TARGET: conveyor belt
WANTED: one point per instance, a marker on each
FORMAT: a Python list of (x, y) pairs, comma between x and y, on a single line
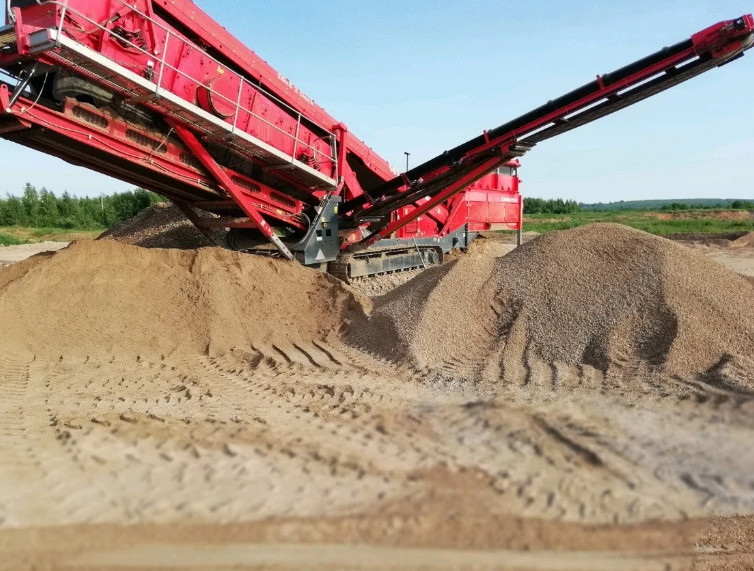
[(609, 93)]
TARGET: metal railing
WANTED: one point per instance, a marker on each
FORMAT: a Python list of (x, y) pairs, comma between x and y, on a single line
[(238, 107), (9, 15)]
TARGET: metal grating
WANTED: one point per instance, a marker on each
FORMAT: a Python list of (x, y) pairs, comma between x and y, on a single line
[(7, 38)]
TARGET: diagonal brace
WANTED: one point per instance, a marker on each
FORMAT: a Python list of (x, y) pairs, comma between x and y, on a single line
[(450, 191), (193, 144)]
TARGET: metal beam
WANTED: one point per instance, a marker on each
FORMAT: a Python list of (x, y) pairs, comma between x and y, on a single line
[(451, 190), (236, 192)]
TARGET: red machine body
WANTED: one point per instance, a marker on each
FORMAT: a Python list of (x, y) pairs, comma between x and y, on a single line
[(156, 93), (186, 53), (491, 203)]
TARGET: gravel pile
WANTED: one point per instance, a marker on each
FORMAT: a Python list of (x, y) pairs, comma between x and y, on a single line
[(376, 286), (486, 246), (439, 308), (162, 225), (602, 295)]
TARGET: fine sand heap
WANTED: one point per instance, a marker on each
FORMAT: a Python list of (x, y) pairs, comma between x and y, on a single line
[(106, 297), (603, 295), (745, 241), (162, 225)]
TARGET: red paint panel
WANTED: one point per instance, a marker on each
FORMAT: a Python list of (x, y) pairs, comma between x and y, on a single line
[(106, 131)]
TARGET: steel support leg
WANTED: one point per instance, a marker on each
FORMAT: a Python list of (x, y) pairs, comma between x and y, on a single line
[(19, 89), (236, 193)]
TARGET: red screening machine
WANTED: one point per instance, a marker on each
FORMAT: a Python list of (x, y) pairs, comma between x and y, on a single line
[(155, 93)]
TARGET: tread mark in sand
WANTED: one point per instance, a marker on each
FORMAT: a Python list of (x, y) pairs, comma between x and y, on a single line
[(308, 356), (327, 352), (583, 452), (282, 353), (21, 446), (14, 379)]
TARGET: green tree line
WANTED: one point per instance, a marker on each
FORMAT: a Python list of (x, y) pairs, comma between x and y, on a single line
[(550, 206), (43, 209), (735, 205), (672, 204)]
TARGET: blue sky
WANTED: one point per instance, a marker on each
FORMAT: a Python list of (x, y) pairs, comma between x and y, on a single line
[(424, 76)]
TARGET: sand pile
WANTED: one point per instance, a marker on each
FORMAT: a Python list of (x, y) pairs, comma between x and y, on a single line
[(106, 297), (745, 241), (602, 295), (162, 225)]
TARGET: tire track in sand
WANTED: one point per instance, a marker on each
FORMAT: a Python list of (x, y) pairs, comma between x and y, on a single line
[(34, 468), (17, 463)]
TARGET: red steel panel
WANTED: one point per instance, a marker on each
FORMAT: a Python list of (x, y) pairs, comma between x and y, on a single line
[(449, 192), (106, 131), (225, 44)]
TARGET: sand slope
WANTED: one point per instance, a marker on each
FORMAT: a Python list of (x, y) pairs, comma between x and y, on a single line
[(110, 298), (745, 241)]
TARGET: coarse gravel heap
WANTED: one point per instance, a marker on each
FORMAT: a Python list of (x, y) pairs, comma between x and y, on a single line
[(602, 295), (162, 225)]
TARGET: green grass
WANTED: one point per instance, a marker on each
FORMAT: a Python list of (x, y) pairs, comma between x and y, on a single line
[(7, 240), (25, 235), (697, 222)]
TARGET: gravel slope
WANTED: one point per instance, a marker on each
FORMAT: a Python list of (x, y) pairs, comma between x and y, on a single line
[(602, 296)]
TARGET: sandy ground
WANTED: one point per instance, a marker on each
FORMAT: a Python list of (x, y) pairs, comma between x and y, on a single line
[(301, 453), (739, 260), (12, 254), (271, 546), (132, 463)]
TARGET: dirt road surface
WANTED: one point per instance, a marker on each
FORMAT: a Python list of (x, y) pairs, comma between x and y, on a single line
[(283, 446), (12, 254), (740, 260)]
